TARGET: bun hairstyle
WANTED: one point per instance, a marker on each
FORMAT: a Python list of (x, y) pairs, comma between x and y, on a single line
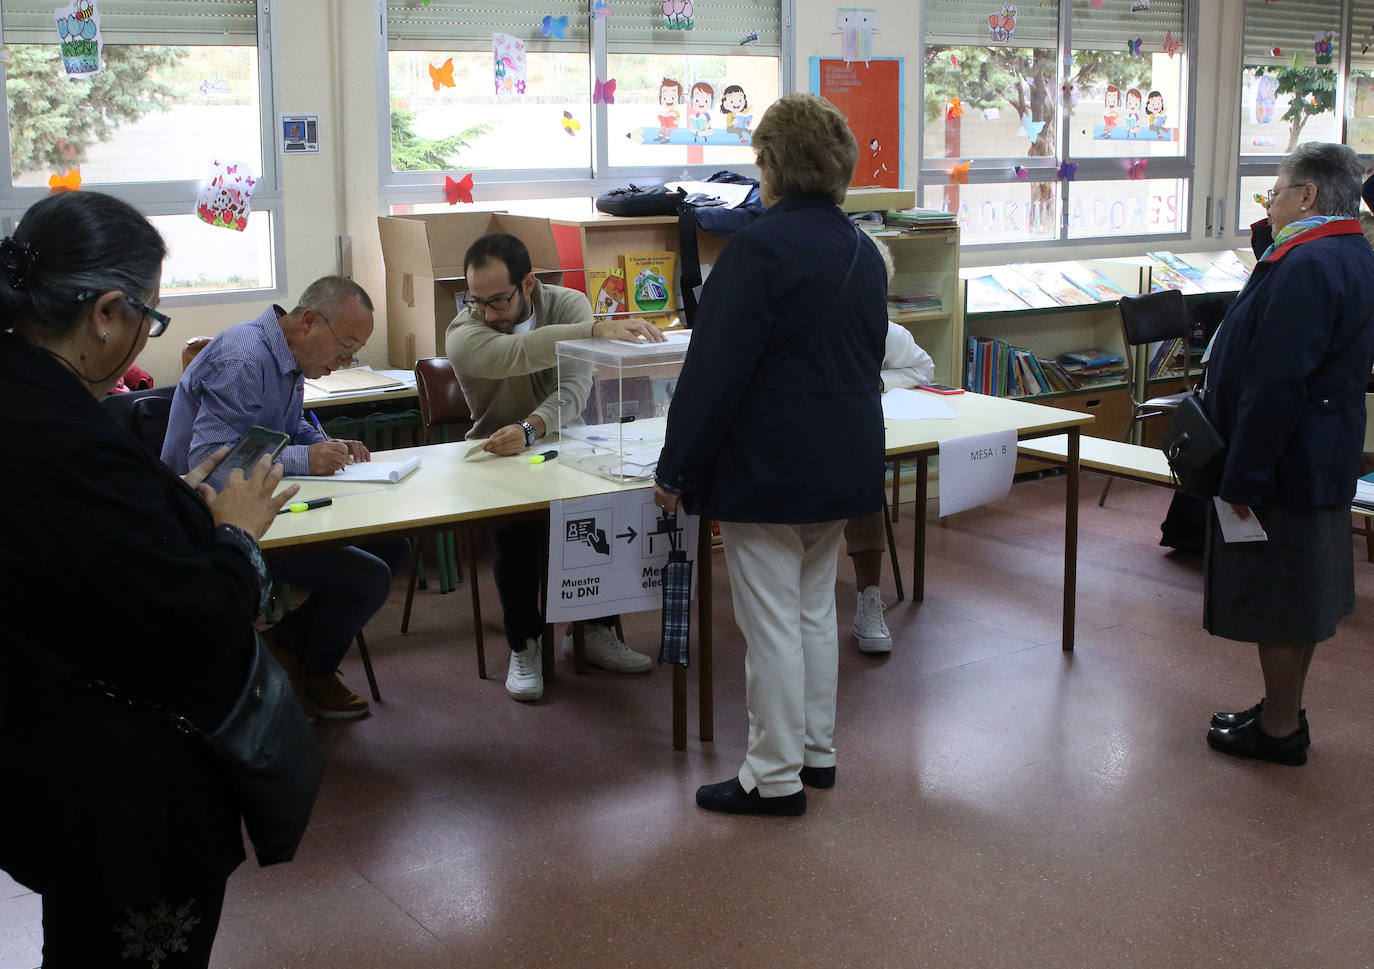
[(71, 243)]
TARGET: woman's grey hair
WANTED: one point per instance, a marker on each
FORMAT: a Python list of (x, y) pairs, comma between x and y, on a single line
[(804, 147), (70, 247), (1334, 169), (326, 294)]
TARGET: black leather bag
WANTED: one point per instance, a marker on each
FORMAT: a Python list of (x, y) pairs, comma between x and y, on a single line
[(640, 200), (1195, 451)]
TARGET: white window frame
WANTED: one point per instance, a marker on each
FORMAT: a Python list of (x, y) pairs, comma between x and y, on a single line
[(178, 197), (422, 188)]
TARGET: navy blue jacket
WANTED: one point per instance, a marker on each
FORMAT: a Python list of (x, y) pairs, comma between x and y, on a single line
[(777, 414), (1287, 375)]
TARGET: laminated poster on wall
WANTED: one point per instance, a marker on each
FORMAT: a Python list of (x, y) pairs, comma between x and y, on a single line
[(856, 29), (225, 199), (870, 97), (509, 54), (679, 14), (78, 34)]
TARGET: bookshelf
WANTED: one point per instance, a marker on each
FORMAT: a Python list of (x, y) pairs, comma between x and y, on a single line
[(927, 261)]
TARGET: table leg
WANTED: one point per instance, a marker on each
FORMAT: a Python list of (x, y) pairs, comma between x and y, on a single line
[(471, 548), (679, 707), (579, 635), (918, 515), (705, 698), (1070, 538)]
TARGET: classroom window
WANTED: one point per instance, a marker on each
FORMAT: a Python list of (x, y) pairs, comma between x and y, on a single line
[(1009, 93), (182, 83)]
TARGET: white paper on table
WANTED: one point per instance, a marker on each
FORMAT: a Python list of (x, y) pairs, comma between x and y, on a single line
[(671, 338), (732, 193), (1236, 529), (975, 470), (915, 405)]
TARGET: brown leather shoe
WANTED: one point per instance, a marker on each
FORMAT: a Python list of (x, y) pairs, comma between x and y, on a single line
[(329, 698)]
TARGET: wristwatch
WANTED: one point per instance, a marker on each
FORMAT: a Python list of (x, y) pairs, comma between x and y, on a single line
[(529, 432)]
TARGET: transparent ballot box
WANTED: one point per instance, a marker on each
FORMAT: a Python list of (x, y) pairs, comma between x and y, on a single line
[(613, 404)]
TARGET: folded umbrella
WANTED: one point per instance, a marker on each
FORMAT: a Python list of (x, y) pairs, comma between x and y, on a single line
[(677, 602)]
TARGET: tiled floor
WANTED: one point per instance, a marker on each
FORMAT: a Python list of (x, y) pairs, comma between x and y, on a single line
[(999, 803)]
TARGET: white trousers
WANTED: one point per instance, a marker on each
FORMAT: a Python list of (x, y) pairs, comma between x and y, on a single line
[(782, 581)]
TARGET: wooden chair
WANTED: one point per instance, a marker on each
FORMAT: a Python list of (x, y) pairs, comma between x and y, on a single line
[(1147, 319)]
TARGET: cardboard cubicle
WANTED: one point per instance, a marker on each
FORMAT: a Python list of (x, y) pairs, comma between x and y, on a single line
[(423, 255)]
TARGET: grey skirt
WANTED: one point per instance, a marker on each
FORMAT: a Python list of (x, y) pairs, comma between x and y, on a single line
[(1293, 588)]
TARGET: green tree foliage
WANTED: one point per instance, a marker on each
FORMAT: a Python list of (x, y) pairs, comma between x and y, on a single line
[(1313, 92), (55, 120), (411, 153)]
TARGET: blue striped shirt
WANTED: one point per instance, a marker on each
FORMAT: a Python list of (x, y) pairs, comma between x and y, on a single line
[(246, 376)]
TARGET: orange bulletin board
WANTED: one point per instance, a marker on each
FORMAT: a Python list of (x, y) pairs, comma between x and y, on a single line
[(870, 96)]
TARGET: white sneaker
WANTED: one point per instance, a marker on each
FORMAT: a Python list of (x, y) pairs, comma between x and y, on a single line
[(525, 678), (605, 650), (869, 626)]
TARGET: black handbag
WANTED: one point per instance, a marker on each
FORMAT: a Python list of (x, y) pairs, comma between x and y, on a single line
[(1195, 451), (640, 200), (264, 746)]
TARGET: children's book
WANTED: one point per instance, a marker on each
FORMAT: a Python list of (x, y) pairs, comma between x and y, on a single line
[(1163, 276), (648, 281), (1092, 282), (1090, 358), (1177, 263), (1055, 284), (987, 295), (606, 290), (1031, 294)]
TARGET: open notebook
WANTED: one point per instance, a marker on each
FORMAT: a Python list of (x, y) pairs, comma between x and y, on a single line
[(353, 381)]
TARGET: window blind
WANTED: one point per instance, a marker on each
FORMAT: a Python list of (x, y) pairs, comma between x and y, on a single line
[(1362, 33), (1114, 26), (179, 22), (964, 23), (1289, 27), (451, 25), (717, 26)]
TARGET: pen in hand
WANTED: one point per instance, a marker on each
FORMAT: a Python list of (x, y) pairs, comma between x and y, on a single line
[(314, 419)]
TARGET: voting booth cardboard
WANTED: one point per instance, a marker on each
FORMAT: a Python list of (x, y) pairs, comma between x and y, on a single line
[(423, 255)]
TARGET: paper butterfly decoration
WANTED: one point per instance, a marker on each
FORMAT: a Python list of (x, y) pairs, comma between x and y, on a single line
[(1260, 200), (954, 61), (225, 198), (459, 191), (1136, 172), (570, 124), (69, 182), (442, 76), (954, 110), (554, 27), (1021, 172), (601, 9), (1030, 129), (1171, 46), (749, 37), (604, 92), (1276, 52), (1133, 46), (1067, 171), (959, 174)]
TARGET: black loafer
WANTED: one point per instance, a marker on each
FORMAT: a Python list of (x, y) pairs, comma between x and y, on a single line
[(730, 797), (1248, 740), (822, 777), (1229, 720)]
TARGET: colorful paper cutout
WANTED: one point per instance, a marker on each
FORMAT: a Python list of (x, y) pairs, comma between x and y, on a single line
[(70, 182), (1170, 45), (954, 60), (856, 29), (954, 109), (1266, 92), (1140, 6), (601, 9), (677, 14), (959, 173), (604, 92), (1097, 4), (734, 104), (225, 198), (1002, 25), (1260, 200), (1322, 42), (992, 114), (78, 35), (1021, 172), (553, 26), (459, 191), (570, 124), (1030, 129), (749, 37), (1136, 171), (1068, 95), (1067, 171), (1134, 46), (1262, 142), (1275, 52), (509, 53), (442, 76)]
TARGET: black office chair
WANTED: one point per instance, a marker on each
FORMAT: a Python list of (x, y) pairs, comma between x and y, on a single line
[(1151, 318), (143, 413)]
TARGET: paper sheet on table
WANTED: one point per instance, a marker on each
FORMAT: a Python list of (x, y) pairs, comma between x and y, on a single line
[(975, 470), (386, 472), (673, 338), (732, 194), (1236, 529), (915, 405)]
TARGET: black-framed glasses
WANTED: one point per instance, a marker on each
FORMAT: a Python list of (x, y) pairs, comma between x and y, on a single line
[(350, 354), (498, 303), (160, 321)]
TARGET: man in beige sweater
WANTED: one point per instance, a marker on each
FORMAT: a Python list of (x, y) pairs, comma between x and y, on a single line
[(502, 349)]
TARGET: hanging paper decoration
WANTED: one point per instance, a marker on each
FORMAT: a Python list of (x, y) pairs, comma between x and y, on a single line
[(225, 198), (856, 29), (1002, 25), (1030, 129), (78, 34), (510, 63), (1262, 142), (604, 92), (1171, 46), (1068, 95), (69, 182), (570, 124), (954, 110), (1322, 42), (554, 26), (1140, 6), (1134, 46), (442, 76), (1260, 200), (1097, 4), (1368, 41), (959, 173), (1275, 52), (992, 114), (1021, 172), (954, 61), (1136, 171), (677, 14), (601, 9), (1266, 93), (1067, 171), (749, 37), (459, 191)]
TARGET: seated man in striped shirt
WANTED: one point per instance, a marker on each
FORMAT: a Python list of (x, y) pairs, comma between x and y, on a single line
[(254, 374)]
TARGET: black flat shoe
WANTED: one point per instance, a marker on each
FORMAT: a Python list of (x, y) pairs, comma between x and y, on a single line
[(822, 777), (1248, 740), (1229, 720), (730, 797)]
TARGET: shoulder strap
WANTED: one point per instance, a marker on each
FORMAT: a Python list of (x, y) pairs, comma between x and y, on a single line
[(689, 260)]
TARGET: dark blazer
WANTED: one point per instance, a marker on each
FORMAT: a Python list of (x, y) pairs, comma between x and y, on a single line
[(1288, 370), (109, 561), (777, 415)]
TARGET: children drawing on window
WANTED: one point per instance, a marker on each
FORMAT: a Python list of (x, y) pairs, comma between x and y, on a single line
[(1111, 114), (1154, 110), (734, 104), (1133, 110), (699, 120), (669, 97)]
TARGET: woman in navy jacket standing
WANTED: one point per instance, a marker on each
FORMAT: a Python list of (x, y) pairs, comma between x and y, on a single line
[(1286, 380), (776, 431)]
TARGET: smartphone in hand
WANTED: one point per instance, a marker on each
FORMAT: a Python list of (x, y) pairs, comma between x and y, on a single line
[(941, 389), (246, 453)]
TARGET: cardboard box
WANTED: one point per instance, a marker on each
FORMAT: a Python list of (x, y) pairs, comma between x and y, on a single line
[(424, 272)]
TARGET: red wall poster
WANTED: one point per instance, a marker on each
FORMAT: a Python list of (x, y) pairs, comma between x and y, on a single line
[(870, 96)]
